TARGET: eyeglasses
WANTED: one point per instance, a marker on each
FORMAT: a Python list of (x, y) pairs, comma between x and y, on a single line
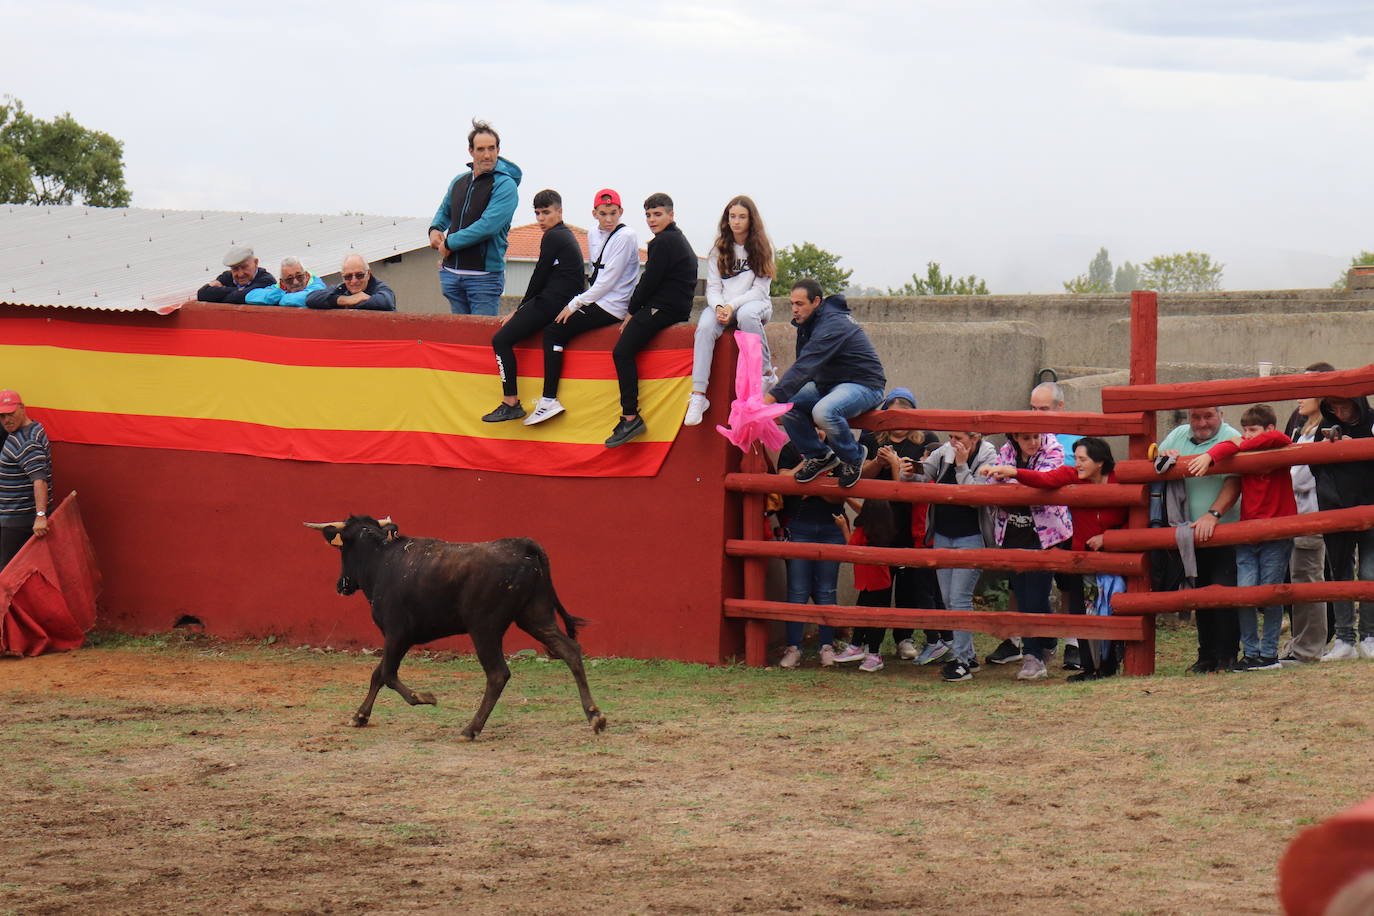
[(294, 278), (361, 275)]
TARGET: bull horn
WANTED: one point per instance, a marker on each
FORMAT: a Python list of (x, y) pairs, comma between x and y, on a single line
[(384, 521), (320, 526)]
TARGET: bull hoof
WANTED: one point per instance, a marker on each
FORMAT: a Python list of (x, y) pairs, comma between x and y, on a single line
[(358, 721), (426, 699), (598, 724), (468, 735)]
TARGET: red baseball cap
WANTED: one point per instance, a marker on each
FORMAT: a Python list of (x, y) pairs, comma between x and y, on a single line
[(606, 196), (10, 401)]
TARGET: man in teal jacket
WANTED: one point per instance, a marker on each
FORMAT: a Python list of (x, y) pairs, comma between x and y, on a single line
[(291, 288), (470, 227)]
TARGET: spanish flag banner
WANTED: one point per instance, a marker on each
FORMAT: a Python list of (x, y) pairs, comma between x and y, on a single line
[(341, 401)]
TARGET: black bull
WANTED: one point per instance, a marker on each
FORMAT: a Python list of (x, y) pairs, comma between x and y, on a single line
[(422, 589)]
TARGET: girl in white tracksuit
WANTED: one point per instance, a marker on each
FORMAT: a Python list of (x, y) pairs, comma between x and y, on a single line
[(739, 272)]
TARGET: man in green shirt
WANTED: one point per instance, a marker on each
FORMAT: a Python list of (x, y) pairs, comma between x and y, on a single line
[(1210, 499)]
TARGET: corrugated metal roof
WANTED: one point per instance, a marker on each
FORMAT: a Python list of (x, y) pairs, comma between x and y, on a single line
[(132, 258)]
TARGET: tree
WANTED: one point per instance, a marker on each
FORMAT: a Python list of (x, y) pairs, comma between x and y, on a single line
[(859, 291), (937, 284), (1364, 257), (57, 161), (1098, 279), (1185, 272), (800, 262), (1127, 278)]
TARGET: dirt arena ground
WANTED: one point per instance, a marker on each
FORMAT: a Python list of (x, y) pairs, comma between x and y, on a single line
[(170, 776)]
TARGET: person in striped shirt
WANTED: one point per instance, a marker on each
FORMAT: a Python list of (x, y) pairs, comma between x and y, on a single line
[(25, 477)]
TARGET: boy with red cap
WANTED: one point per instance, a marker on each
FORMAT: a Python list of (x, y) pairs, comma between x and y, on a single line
[(614, 252), (25, 477)]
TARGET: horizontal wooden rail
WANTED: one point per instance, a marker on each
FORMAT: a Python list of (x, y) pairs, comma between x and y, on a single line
[(997, 623), (1360, 518), (1071, 422), (1071, 561), (974, 494), (1190, 599), (1256, 462), (1347, 383)]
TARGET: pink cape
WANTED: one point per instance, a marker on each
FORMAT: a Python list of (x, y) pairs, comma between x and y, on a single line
[(751, 420)]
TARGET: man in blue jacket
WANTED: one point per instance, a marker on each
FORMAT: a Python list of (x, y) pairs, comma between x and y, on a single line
[(470, 227), (837, 375), (291, 289)]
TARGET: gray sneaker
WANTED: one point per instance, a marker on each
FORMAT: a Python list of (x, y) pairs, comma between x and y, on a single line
[(812, 468), (932, 651), (504, 411), (626, 430)]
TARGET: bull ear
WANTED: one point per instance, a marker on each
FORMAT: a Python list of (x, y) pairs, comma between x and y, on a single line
[(332, 531), (390, 528), (336, 540)]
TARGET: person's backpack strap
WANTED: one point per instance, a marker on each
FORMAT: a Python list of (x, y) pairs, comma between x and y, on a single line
[(597, 265)]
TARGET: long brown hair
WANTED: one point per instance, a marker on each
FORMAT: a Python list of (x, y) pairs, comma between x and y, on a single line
[(756, 244)]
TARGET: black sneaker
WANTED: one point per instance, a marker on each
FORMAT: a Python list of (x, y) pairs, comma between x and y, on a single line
[(848, 474), (1258, 663), (973, 665), (956, 671), (812, 468), (1202, 666), (504, 411), (1007, 652), (1072, 661), (626, 430), (1083, 676)]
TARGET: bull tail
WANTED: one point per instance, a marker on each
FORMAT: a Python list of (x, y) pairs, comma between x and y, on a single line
[(570, 623)]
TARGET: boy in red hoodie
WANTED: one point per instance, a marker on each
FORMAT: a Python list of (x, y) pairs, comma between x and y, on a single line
[(1267, 495)]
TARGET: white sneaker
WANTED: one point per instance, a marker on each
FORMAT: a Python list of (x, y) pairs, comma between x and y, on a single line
[(544, 409), (851, 653), (790, 658), (827, 655), (1367, 647), (696, 409), (907, 649), (1340, 650), (1032, 669)]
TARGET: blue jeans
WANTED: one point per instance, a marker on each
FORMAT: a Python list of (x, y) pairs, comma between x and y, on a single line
[(830, 412), (812, 580), (473, 295), (1261, 564), (1032, 590), (956, 587)]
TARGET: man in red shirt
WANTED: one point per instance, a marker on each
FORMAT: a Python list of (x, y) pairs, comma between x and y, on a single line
[(1268, 495)]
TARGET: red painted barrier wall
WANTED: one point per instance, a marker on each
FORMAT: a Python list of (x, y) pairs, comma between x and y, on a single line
[(219, 537)]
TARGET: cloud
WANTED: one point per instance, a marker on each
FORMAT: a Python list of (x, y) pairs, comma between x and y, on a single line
[(1308, 21)]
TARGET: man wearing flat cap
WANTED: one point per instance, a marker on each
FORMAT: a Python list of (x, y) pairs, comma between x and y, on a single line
[(243, 276), (25, 477)]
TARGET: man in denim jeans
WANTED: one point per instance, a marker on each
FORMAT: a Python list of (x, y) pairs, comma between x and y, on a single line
[(470, 227), (837, 375)]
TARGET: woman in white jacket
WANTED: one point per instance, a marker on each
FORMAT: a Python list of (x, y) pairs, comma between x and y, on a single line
[(739, 273)]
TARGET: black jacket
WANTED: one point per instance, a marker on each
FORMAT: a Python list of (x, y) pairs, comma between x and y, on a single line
[(670, 275), (831, 348), (383, 299), (228, 292), (1351, 483), (558, 274)]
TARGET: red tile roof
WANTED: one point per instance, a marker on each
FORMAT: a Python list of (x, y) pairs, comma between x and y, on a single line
[(522, 244)]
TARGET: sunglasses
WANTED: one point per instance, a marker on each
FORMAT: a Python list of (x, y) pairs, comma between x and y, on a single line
[(362, 275)]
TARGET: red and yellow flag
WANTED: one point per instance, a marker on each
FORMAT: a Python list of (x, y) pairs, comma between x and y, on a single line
[(343, 401)]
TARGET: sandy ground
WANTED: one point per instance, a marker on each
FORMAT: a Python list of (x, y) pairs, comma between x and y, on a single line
[(214, 778)]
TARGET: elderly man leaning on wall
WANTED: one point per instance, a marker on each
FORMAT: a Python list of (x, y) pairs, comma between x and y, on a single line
[(359, 290), (291, 289), (243, 276)]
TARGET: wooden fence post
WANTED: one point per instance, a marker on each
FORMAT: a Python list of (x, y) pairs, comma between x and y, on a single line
[(1140, 656)]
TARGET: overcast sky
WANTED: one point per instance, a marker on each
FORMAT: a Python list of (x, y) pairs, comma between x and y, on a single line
[(1005, 139)]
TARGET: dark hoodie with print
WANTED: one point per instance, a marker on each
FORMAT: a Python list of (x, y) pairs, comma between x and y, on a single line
[(1351, 483)]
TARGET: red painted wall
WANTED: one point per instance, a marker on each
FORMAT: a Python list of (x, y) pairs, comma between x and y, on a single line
[(219, 537)]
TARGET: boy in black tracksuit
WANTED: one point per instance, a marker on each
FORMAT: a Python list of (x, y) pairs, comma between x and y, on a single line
[(557, 278), (662, 297)]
